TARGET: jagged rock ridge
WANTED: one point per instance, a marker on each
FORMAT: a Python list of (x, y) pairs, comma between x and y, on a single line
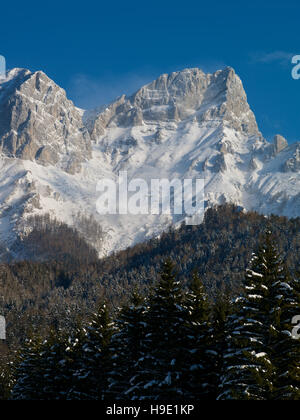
[(179, 96), (38, 122), (186, 124)]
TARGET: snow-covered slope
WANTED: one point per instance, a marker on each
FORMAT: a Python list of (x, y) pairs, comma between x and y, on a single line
[(186, 124)]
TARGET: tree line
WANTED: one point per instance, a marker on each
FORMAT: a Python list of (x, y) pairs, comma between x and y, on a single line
[(61, 278), (175, 343)]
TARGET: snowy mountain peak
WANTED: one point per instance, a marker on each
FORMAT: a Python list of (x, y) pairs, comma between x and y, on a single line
[(179, 96), (186, 124), (39, 123)]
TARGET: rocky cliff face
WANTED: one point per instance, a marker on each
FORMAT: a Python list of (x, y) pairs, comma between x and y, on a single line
[(39, 123), (184, 125), (179, 96), (280, 143), (292, 164)]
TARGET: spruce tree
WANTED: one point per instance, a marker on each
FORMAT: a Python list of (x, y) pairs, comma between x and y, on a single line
[(55, 367), (28, 371), (159, 372), (74, 353), (127, 346), (91, 377), (199, 376), (286, 346), (7, 375), (221, 311), (249, 369)]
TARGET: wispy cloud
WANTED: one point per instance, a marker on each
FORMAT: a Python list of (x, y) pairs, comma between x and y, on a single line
[(88, 92), (282, 58)]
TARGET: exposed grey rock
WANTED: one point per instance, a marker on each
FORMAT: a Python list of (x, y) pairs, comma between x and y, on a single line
[(219, 163), (205, 165), (223, 148), (97, 121), (47, 155), (175, 97), (158, 137), (253, 164), (280, 143), (38, 122), (184, 125), (293, 164)]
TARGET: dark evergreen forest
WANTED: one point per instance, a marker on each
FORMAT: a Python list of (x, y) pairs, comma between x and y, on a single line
[(193, 314)]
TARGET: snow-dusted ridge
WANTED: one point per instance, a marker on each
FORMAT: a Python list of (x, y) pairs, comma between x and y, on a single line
[(186, 124)]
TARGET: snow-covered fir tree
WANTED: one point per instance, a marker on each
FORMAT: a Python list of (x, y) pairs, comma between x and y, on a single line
[(7, 375), (55, 372), (29, 380), (94, 358), (286, 346), (174, 345), (199, 372), (221, 311), (262, 360), (74, 353), (158, 373), (127, 347), (248, 362)]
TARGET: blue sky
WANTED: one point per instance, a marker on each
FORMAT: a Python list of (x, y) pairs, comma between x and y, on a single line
[(98, 50)]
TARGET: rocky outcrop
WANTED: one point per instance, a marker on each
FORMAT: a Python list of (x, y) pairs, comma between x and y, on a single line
[(219, 163), (178, 96), (38, 122), (293, 164), (186, 125), (280, 143)]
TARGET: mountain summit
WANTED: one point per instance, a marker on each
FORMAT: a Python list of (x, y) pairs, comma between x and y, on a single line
[(39, 123), (180, 96), (185, 124)]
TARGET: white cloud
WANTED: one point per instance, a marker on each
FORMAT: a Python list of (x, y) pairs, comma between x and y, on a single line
[(88, 92), (281, 57)]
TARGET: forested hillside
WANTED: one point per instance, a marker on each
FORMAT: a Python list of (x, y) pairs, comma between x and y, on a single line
[(58, 292), (174, 344)]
